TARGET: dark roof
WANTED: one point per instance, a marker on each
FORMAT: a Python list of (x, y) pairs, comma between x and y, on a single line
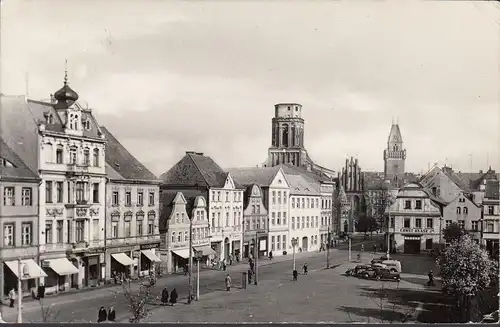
[(262, 176), (19, 170), (195, 169), (166, 205), (395, 132), (123, 162), (310, 176), (492, 190)]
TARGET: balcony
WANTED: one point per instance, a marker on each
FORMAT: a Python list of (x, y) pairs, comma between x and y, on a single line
[(79, 204), (74, 169)]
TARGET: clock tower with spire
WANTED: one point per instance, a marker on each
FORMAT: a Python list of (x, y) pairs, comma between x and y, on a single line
[(394, 155)]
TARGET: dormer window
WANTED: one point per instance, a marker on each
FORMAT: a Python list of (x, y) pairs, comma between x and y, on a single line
[(50, 119), (86, 125), (6, 163)]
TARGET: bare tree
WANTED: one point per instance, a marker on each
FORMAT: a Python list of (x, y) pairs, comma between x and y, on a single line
[(48, 312), (137, 301)]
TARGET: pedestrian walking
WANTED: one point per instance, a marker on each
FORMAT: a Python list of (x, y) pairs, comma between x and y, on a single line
[(173, 297), (12, 297), (224, 266), (164, 296), (249, 274), (228, 282), (295, 275), (362, 247), (270, 255), (102, 315), (374, 248), (304, 268), (251, 265), (111, 314), (231, 259), (185, 269)]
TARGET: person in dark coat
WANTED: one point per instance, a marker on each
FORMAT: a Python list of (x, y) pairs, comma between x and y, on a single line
[(102, 315), (111, 314), (164, 296), (173, 297), (295, 274), (249, 274), (304, 268)]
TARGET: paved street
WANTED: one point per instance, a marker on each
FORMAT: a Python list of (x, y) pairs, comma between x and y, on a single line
[(82, 307)]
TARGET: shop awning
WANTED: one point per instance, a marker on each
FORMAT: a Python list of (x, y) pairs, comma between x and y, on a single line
[(32, 269), (151, 256), (123, 259), (184, 253), (62, 266), (206, 250)]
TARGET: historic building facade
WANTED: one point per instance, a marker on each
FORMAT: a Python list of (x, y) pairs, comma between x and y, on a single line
[(200, 174), (326, 222), (415, 220), (255, 223), (132, 213), (18, 224), (464, 212)]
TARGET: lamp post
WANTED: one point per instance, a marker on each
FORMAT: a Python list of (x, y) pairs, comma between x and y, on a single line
[(190, 267), (256, 256), (199, 255), (295, 241), (22, 272)]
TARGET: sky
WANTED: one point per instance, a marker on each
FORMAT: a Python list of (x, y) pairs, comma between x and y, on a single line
[(167, 77)]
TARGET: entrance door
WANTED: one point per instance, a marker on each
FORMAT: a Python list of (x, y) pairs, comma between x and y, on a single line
[(226, 249), (412, 246), (304, 243)]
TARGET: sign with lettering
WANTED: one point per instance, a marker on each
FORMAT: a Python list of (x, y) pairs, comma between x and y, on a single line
[(150, 246), (200, 242), (417, 230), (180, 245)]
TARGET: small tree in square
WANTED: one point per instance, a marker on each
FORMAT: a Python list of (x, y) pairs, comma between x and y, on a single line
[(465, 271), (137, 301)]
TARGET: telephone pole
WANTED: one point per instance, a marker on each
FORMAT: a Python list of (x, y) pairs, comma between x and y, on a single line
[(190, 267)]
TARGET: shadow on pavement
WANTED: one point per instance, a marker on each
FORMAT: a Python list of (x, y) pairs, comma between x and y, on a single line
[(373, 315)]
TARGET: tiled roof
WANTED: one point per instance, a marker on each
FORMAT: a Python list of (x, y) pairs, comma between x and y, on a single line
[(113, 174), (123, 162), (492, 190), (19, 170), (19, 130), (39, 109), (195, 169), (262, 176), (300, 186)]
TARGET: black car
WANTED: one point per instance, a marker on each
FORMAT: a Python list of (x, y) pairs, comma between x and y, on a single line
[(358, 270), (383, 274), (379, 260)]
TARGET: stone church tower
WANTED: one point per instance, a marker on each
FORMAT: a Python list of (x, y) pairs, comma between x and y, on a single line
[(287, 141), (394, 155)]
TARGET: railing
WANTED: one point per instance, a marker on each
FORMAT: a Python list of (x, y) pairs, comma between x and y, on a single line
[(78, 168)]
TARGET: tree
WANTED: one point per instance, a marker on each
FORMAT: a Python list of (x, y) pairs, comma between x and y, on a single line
[(49, 314), (366, 224), (137, 301), (453, 232), (465, 271)]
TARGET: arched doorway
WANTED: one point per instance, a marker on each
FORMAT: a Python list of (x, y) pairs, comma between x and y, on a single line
[(346, 226), (304, 243), (226, 248)]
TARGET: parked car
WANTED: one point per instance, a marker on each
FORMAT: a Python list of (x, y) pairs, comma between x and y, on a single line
[(393, 265), (358, 270), (382, 273), (490, 318), (379, 260)]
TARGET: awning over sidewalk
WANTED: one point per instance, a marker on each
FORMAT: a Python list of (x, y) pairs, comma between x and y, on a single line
[(62, 266), (32, 268), (184, 253), (123, 259), (151, 256), (206, 250)]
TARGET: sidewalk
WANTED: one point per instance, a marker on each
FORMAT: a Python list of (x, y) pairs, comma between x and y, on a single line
[(30, 304)]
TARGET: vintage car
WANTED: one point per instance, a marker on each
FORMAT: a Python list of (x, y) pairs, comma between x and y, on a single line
[(394, 265), (381, 274), (358, 270)]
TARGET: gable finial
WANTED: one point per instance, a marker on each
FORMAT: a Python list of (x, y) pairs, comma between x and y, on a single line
[(66, 72)]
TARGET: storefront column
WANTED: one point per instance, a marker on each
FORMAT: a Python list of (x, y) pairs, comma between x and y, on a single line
[(2, 282)]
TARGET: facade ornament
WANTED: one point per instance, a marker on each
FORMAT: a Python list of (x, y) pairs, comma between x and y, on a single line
[(54, 212), (80, 212), (94, 211)]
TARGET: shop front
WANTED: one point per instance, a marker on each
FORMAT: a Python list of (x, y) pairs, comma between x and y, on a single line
[(217, 247), (147, 258), (62, 274), (29, 271), (92, 266), (207, 253), (119, 263)]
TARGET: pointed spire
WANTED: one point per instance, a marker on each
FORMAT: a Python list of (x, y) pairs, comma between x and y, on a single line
[(66, 72)]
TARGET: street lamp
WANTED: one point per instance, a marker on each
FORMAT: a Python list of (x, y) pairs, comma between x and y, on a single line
[(190, 292), (22, 273), (295, 242), (199, 255)]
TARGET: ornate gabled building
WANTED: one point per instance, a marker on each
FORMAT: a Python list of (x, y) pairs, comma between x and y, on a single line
[(352, 181), (287, 141)]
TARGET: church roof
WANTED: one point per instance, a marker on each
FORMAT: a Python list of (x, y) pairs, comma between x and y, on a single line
[(395, 134)]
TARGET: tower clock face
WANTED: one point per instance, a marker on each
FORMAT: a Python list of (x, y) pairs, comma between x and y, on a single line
[(395, 138), (396, 166)]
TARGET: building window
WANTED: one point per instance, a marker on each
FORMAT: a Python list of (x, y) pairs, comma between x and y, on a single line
[(491, 210), (9, 198), (151, 225), (308, 203), (461, 200), (48, 232), (60, 231), (279, 202), (418, 223), (490, 228), (128, 199), (447, 223), (317, 222), (173, 237), (114, 229), (285, 196), (115, 198), (86, 157), (140, 198), (272, 243), (459, 210), (235, 196), (95, 192), (461, 224), (59, 192), (68, 231), (303, 222), (59, 154), (293, 222), (227, 196), (95, 230), (428, 244), (26, 196), (273, 218), (284, 218), (48, 192), (80, 227), (308, 222), (127, 229), (284, 242), (72, 155), (95, 158), (8, 235), (475, 226), (227, 219), (407, 223), (274, 197), (218, 196), (278, 242), (151, 199), (407, 204), (278, 221), (418, 204), (465, 210), (293, 203), (393, 222), (303, 203), (80, 192), (430, 223), (317, 203), (186, 236)]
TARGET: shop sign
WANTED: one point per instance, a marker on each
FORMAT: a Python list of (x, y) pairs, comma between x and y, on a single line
[(95, 250), (200, 242), (417, 230), (180, 245), (150, 246)]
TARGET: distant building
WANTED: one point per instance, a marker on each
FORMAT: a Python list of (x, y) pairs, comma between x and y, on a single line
[(132, 213), (415, 220), (352, 181), (394, 155), (274, 189), (18, 223), (466, 213), (200, 175)]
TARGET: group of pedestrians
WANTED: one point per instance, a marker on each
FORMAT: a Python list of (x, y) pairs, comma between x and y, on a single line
[(165, 299), (295, 273), (104, 315)]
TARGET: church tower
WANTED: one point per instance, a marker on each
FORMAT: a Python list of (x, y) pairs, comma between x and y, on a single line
[(287, 140), (394, 155)]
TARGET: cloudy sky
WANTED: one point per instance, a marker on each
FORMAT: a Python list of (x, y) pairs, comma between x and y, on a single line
[(171, 76)]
